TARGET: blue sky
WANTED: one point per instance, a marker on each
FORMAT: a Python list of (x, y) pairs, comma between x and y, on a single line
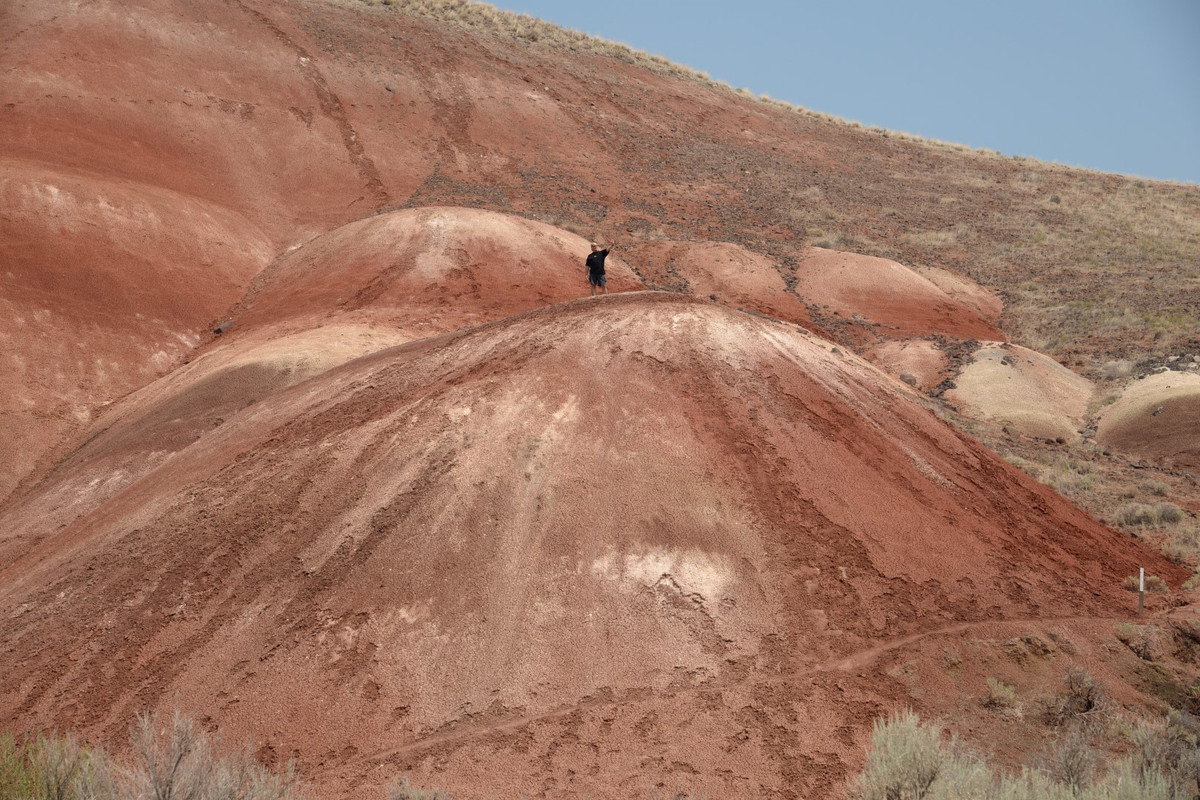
[(1112, 85)]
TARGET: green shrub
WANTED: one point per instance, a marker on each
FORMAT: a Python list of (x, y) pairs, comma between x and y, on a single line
[(1029, 785), (1138, 515), (1171, 748), (172, 760), (909, 761), (176, 760), (905, 759), (1167, 513), (18, 775), (51, 768), (1071, 761)]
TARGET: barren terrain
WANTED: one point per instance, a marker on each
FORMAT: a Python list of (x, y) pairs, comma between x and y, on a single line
[(423, 507)]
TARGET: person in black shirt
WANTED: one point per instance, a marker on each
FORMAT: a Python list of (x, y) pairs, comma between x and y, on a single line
[(595, 267)]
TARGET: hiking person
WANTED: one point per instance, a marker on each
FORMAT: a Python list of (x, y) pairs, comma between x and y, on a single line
[(595, 267)]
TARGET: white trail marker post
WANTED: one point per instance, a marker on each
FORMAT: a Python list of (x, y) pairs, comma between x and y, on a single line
[(1141, 591)]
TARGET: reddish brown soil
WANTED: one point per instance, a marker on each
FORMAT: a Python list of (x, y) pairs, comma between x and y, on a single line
[(919, 361), (887, 299), (425, 271), (423, 508), (722, 272), (201, 141), (605, 544)]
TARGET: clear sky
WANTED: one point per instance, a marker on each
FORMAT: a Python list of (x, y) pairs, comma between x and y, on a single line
[(1112, 85)]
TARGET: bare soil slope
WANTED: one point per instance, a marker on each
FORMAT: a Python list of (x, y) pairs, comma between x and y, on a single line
[(419, 510), (425, 271), (459, 555), (159, 155), (1156, 417)]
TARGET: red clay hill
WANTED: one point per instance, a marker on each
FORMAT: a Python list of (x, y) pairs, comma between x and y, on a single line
[(424, 508), (583, 549), (157, 157)]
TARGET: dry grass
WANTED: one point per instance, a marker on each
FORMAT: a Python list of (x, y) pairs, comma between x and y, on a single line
[(1061, 250), (486, 19), (172, 759), (1107, 487), (1068, 476), (1001, 696), (911, 760)]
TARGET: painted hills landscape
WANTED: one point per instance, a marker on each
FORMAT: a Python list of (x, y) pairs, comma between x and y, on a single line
[(312, 432)]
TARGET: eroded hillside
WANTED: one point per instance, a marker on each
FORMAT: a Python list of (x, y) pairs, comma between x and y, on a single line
[(423, 507)]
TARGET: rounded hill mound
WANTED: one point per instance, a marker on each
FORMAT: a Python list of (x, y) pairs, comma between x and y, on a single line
[(366, 286), (893, 301), (1156, 417), (426, 271), (522, 551), (1013, 385), (723, 272)]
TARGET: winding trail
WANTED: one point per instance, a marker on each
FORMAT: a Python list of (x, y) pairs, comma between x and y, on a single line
[(855, 661)]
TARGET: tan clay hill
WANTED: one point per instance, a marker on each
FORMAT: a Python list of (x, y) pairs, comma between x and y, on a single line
[(1014, 386), (1156, 417), (423, 507)]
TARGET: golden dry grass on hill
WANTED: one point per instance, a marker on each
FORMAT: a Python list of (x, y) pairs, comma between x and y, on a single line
[(1060, 246)]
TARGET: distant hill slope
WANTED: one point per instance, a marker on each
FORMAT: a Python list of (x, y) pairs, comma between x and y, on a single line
[(201, 141), (1057, 241)]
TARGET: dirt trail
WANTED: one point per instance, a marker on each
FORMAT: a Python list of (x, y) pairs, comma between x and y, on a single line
[(853, 662)]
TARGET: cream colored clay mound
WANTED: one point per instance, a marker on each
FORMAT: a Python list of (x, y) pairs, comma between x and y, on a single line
[(921, 359), (1156, 417), (566, 520), (900, 301), (1022, 388), (427, 271), (723, 272), (137, 434)]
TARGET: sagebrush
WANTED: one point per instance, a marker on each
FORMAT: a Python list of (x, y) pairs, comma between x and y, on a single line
[(912, 760)]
